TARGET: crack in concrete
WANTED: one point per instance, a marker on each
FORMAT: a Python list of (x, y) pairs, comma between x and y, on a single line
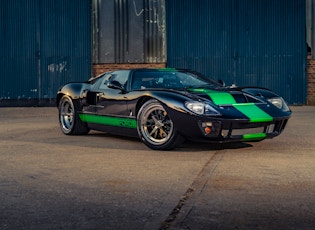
[(195, 189)]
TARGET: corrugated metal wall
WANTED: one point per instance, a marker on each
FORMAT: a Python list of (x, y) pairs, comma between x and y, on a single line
[(44, 44), (310, 26), (65, 43), (259, 42), (18, 46)]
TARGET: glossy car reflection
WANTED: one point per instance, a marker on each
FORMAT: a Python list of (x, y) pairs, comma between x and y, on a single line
[(166, 106)]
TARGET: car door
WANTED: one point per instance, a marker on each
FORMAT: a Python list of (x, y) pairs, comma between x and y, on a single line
[(112, 101)]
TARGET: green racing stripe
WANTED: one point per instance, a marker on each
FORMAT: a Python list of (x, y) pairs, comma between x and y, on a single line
[(253, 112), (218, 98), (222, 98), (109, 120), (250, 110)]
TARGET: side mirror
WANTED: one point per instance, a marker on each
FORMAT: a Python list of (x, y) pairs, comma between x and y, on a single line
[(115, 85), (221, 82)]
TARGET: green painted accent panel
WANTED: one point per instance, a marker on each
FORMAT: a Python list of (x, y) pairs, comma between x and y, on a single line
[(222, 98), (108, 120), (218, 98), (254, 113), (254, 137)]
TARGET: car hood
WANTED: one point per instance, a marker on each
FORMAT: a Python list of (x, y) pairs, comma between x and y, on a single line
[(227, 96), (249, 101)]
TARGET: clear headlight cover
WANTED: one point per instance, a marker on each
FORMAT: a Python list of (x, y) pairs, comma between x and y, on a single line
[(201, 108), (279, 103)]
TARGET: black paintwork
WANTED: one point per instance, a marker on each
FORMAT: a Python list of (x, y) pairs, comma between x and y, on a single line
[(104, 95)]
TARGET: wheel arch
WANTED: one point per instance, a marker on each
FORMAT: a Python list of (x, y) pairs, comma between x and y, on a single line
[(69, 119), (73, 90), (58, 98), (140, 102), (169, 100)]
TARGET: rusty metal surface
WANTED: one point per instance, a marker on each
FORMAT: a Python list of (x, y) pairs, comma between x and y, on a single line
[(128, 31)]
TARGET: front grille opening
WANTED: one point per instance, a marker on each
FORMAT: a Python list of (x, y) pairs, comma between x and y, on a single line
[(249, 129), (280, 125)]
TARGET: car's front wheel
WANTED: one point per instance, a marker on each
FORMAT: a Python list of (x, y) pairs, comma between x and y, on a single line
[(155, 127), (70, 122)]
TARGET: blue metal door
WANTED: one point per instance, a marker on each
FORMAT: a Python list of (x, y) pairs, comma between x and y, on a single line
[(43, 44), (65, 44), (18, 50), (242, 42), (271, 46)]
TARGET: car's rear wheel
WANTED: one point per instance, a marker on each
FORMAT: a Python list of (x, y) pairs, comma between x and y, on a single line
[(70, 122), (155, 127)]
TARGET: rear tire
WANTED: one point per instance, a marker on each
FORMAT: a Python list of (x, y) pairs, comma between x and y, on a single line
[(69, 120), (155, 128)]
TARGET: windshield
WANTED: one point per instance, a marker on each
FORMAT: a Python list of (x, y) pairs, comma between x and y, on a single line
[(169, 79)]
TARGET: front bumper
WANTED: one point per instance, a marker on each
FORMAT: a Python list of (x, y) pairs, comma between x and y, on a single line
[(240, 130), (215, 129)]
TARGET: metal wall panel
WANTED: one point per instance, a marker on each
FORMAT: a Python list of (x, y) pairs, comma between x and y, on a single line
[(128, 31), (18, 46), (310, 26), (259, 42), (43, 44), (199, 36), (272, 46), (65, 43)]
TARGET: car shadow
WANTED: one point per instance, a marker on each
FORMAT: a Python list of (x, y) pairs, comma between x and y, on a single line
[(202, 146), (187, 146)]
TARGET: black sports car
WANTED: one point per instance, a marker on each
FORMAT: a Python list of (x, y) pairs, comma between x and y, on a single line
[(166, 106)]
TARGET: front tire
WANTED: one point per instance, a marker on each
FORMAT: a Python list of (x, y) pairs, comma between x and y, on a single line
[(155, 127), (69, 120)]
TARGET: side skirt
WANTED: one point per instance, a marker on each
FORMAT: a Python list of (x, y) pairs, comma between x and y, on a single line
[(120, 131), (125, 126)]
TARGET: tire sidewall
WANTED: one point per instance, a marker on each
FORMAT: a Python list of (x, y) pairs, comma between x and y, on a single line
[(170, 143), (67, 99)]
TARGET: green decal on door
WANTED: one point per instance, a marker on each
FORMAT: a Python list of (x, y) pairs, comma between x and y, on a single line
[(108, 120)]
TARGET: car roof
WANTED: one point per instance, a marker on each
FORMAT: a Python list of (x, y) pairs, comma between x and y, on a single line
[(137, 69)]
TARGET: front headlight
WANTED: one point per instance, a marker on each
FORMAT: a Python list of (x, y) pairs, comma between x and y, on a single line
[(195, 107), (279, 103), (201, 108)]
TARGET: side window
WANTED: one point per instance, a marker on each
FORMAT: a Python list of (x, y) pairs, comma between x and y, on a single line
[(105, 80), (121, 76), (147, 79)]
